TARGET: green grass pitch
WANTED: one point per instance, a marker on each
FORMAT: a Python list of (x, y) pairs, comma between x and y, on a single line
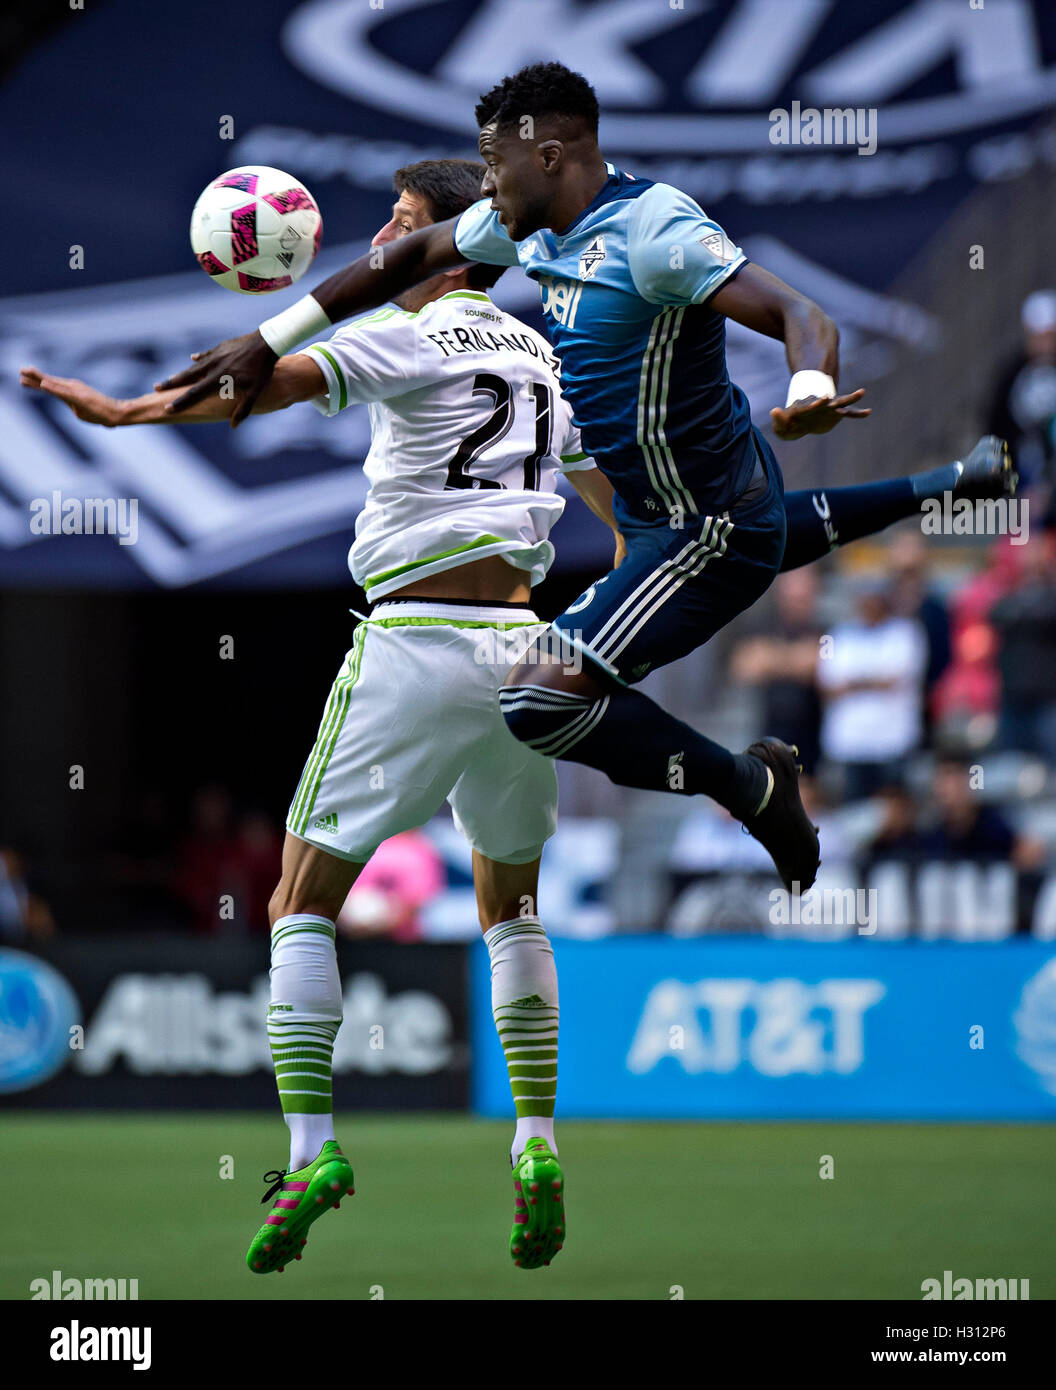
[(726, 1211)]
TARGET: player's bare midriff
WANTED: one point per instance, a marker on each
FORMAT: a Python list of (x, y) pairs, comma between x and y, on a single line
[(491, 580)]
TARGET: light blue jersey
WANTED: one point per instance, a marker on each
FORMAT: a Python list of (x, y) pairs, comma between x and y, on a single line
[(643, 358)]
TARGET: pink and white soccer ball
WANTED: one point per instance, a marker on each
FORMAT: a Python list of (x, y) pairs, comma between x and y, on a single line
[(255, 229)]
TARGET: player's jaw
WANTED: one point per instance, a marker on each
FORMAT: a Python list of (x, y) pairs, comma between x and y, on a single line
[(517, 183)]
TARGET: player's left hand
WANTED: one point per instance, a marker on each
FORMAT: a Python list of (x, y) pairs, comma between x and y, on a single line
[(85, 401), (621, 551), (244, 363), (815, 415)]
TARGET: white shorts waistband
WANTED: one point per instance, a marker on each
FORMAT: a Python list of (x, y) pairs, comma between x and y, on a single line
[(454, 612)]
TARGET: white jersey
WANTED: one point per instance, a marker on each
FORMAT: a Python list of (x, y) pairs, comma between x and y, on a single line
[(469, 431)]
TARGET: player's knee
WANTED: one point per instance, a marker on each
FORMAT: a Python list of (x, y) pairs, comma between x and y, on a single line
[(290, 899), (508, 888), (543, 718), (496, 911), (550, 661), (498, 904), (547, 672), (521, 674), (277, 903)]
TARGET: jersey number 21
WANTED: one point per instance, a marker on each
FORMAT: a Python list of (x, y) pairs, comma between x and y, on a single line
[(496, 426)]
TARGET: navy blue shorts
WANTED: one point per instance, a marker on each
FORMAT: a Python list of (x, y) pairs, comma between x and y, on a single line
[(679, 583)]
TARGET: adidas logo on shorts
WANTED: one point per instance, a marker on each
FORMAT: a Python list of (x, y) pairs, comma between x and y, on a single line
[(327, 823)]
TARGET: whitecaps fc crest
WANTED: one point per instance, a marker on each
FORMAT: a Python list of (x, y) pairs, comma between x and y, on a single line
[(591, 258)]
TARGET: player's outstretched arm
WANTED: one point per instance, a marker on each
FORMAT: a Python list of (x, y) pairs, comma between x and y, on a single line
[(764, 303), (296, 378), (247, 362)]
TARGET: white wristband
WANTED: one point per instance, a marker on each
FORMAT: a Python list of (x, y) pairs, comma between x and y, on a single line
[(305, 319), (809, 383)]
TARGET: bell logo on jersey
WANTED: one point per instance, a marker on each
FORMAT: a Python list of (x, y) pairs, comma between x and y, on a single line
[(591, 258), (561, 299)]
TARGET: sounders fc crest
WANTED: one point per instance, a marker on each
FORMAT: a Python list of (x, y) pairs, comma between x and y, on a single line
[(591, 258)]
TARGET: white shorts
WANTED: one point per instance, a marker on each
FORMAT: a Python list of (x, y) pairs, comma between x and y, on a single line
[(413, 720)]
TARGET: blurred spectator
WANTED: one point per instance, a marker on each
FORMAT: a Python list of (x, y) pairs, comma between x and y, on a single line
[(969, 829), (253, 869), (909, 561), (975, 598), (141, 867), (23, 914), (896, 835), (1025, 620), (403, 875), (1024, 404), (208, 846), (965, 700), (837, 846), (783, 662), (220, 859), (871, 676)]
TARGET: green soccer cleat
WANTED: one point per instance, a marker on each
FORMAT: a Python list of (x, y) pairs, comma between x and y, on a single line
[(303, 1197), (539, 1209)]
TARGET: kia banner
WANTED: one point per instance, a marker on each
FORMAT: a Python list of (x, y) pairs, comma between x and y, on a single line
[(832, 141)]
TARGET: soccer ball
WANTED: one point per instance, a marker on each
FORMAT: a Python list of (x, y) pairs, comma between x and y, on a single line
[(255, 230)]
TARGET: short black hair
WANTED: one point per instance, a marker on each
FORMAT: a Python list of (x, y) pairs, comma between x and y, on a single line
[(540, 90), (449, 186)]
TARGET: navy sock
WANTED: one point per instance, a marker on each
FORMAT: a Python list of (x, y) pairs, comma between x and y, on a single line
[(635, 743), (935, 481), (822, 519)]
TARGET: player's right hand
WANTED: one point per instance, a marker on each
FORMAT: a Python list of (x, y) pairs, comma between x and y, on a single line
[(816, 415), (240, 368), (85, 401)]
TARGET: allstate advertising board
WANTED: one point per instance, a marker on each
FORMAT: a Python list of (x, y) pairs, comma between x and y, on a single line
[(734, 1028)]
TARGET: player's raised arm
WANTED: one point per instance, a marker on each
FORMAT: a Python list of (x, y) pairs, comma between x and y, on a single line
[(764, 303), (376, 277), (677, 255), (295, 378)]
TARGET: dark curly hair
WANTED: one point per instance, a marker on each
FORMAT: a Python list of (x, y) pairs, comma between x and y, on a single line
[(449, 186), (542, 90)]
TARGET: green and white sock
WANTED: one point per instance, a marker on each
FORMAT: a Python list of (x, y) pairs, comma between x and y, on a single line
[(303, 1018), (524, 1005)]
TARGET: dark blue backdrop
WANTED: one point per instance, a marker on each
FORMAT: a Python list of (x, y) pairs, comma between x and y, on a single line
[(113, 127)]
